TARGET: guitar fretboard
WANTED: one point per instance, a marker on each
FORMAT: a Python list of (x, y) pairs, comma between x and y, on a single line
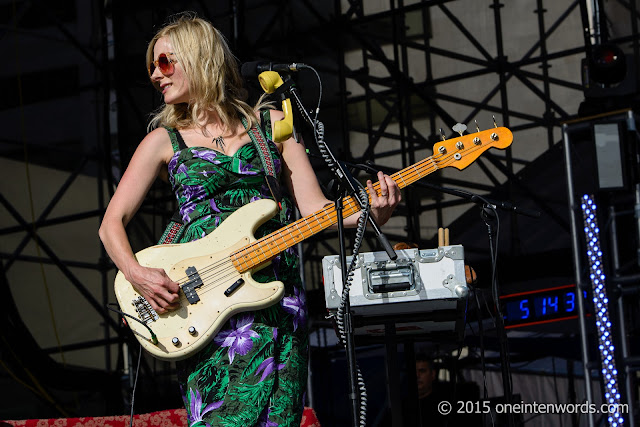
[(269, 246), (459, 152)]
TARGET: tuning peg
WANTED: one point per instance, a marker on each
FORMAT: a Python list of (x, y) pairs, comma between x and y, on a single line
[(477, 127), (460, 128), (442, 135), (494, 122)]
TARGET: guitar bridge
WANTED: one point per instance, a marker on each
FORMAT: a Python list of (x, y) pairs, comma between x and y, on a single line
[(189, 288), (145, 312)]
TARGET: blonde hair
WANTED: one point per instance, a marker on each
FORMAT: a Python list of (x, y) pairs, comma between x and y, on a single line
[(212, 72)]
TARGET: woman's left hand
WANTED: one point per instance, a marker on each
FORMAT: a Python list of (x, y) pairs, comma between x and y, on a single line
[(383, 204)]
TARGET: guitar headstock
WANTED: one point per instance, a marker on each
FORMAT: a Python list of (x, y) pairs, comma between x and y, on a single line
[(461, 151)]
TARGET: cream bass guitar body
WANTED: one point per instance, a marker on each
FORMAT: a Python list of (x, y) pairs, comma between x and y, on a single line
[(214, 272)]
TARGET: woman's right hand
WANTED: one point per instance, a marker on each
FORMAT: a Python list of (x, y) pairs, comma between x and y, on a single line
[(156, 287)]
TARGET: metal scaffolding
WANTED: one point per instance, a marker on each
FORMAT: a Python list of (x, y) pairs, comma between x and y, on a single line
[(393, 74)]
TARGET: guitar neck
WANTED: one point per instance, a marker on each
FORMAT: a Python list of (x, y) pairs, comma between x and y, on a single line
[(271, 245), (458, 152)]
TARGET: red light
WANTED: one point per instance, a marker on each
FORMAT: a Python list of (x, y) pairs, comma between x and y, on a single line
[(607, 64), (607, 57)]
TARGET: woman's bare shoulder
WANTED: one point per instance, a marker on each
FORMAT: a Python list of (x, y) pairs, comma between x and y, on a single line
[(156, 145)]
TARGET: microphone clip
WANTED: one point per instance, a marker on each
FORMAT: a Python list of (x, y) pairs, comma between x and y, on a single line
[(281, 91)]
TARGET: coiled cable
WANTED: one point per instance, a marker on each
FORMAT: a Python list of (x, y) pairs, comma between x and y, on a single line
[(362, 195)]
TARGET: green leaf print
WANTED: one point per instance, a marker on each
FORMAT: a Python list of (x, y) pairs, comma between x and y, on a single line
[(252, 394), (240, 196), (286, 349), (238, 420), (266, 350), (269, 379)]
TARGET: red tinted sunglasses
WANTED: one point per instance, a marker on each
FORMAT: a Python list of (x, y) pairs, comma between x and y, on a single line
[(164, 63)]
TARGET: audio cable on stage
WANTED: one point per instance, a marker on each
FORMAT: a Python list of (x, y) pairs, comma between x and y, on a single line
[(154, 339), (342, 336), (363, 197)]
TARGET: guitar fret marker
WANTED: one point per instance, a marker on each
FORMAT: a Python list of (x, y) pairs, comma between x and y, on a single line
[(292, 236)]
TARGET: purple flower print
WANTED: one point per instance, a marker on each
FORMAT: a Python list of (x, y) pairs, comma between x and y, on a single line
[(277, 165), (182, 169), (238, 338), (245, 169), (196, 411), (254, 198), (185, 210), (194, 192), (172, 165), (296, 305), (213, 205), (209, 156), (263, 421), (174, 160), (268, 366)]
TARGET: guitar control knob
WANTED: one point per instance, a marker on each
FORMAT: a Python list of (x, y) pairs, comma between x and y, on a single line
[(192, 330), (175, 341)]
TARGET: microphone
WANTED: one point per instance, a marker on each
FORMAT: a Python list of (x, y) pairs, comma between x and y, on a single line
[(253, 69), (282, 129)]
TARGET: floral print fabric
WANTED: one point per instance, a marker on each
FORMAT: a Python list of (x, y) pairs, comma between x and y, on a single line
[(254, 372)]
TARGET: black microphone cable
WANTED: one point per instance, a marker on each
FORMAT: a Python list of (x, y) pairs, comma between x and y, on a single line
[(154, 339)]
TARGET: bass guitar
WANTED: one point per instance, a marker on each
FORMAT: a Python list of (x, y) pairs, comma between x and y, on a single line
[(214, 272)]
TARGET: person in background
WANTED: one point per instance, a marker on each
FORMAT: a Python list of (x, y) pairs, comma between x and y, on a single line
[(432, 392), (253, 373)]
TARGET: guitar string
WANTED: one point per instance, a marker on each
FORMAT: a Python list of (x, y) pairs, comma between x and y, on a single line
[(230, 268), (410, 175), (206, 273), (227, 263), (327, 220), (262, 242), (413, 171)]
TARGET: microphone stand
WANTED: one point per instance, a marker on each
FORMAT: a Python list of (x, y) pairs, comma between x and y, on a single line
[(344, 177), (490, 218), (347, 186), (348, 324)]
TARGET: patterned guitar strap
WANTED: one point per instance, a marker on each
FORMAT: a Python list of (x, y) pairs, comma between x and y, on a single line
[(260, 141), (175, 228)]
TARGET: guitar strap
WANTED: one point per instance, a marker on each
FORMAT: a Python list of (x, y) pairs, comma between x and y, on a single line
[(175, 229), (259, 140)]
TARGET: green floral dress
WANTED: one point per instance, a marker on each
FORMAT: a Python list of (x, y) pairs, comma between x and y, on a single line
[(254, 372)]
